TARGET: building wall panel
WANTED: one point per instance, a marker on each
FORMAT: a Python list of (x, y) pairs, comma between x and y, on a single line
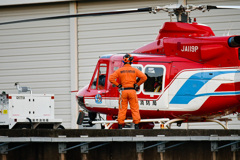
[(37, 54)]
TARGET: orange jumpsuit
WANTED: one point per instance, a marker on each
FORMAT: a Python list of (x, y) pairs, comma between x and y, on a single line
[(127, 76)]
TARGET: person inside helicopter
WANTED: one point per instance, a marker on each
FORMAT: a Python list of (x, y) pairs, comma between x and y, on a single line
[(158, 84), (154, 79), (101, 82), (100, 77)]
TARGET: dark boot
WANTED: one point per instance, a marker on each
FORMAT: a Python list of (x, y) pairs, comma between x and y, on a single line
[(119, 126), (136, 126)]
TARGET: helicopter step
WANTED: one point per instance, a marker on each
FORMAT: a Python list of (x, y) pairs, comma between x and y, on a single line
[(85, 120)]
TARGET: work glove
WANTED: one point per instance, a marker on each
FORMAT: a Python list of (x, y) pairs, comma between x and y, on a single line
[(136, 87), (119, 86)]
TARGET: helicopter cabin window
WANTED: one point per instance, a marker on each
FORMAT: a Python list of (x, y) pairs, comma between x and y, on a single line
[(100, 77), (154, 82)]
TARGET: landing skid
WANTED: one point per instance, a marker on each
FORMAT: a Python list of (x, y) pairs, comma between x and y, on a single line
[(218, 121), (165, 122)]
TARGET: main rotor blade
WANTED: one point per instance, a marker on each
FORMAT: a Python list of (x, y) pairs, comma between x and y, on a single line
[(222, 7), (123, 11)]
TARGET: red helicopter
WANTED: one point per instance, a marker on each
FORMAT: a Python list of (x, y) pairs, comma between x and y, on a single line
[(193, 75)]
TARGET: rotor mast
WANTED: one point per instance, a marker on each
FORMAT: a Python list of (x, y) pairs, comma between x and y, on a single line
[(181, 10), (182, 13)]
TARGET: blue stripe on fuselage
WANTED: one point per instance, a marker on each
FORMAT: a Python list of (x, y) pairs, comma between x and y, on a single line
[(189, 89)]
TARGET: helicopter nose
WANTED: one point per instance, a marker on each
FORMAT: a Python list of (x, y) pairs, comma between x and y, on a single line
[(80, 100)]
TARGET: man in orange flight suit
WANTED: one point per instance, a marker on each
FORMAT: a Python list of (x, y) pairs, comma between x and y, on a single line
[(127, 76)]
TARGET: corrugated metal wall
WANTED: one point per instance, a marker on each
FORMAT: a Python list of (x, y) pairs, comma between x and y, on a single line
[(36, 54)]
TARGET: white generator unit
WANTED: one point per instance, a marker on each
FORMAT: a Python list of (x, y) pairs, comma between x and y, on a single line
[(24, 110)]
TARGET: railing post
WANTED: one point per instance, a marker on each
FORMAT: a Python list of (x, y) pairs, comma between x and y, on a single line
[(214, 149), (139, 148), (62, 150), (3, 151), (161, 150), (84, 151)]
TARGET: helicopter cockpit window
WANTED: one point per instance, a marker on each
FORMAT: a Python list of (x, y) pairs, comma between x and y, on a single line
[(100, 77), (155, 79)]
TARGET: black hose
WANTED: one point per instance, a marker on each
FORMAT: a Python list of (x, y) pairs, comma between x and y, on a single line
[(30, 122)]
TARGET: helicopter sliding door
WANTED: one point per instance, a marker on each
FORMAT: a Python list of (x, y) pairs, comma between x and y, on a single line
[(154, 87), (151, 91)]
